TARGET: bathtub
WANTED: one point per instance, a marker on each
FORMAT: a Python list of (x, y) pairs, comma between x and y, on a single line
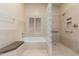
[(35, 39)]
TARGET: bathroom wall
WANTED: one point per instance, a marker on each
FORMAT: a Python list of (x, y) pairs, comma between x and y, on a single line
[(56, 22), (70, 35), (11, 23), (36, 10)]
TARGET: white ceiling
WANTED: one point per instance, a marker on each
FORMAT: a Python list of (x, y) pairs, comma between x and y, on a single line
[(54, 4), (57, 4)]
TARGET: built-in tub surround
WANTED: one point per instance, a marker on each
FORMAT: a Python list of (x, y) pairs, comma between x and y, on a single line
[(34, 39)]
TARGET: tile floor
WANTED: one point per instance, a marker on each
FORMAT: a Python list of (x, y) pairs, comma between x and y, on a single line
[(61, 50), (41, 49), (35, 49)]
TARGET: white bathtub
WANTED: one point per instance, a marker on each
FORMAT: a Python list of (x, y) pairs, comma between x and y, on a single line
[(35, 39)]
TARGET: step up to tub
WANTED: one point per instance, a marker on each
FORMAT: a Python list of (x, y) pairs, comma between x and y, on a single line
[(11, 47)]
